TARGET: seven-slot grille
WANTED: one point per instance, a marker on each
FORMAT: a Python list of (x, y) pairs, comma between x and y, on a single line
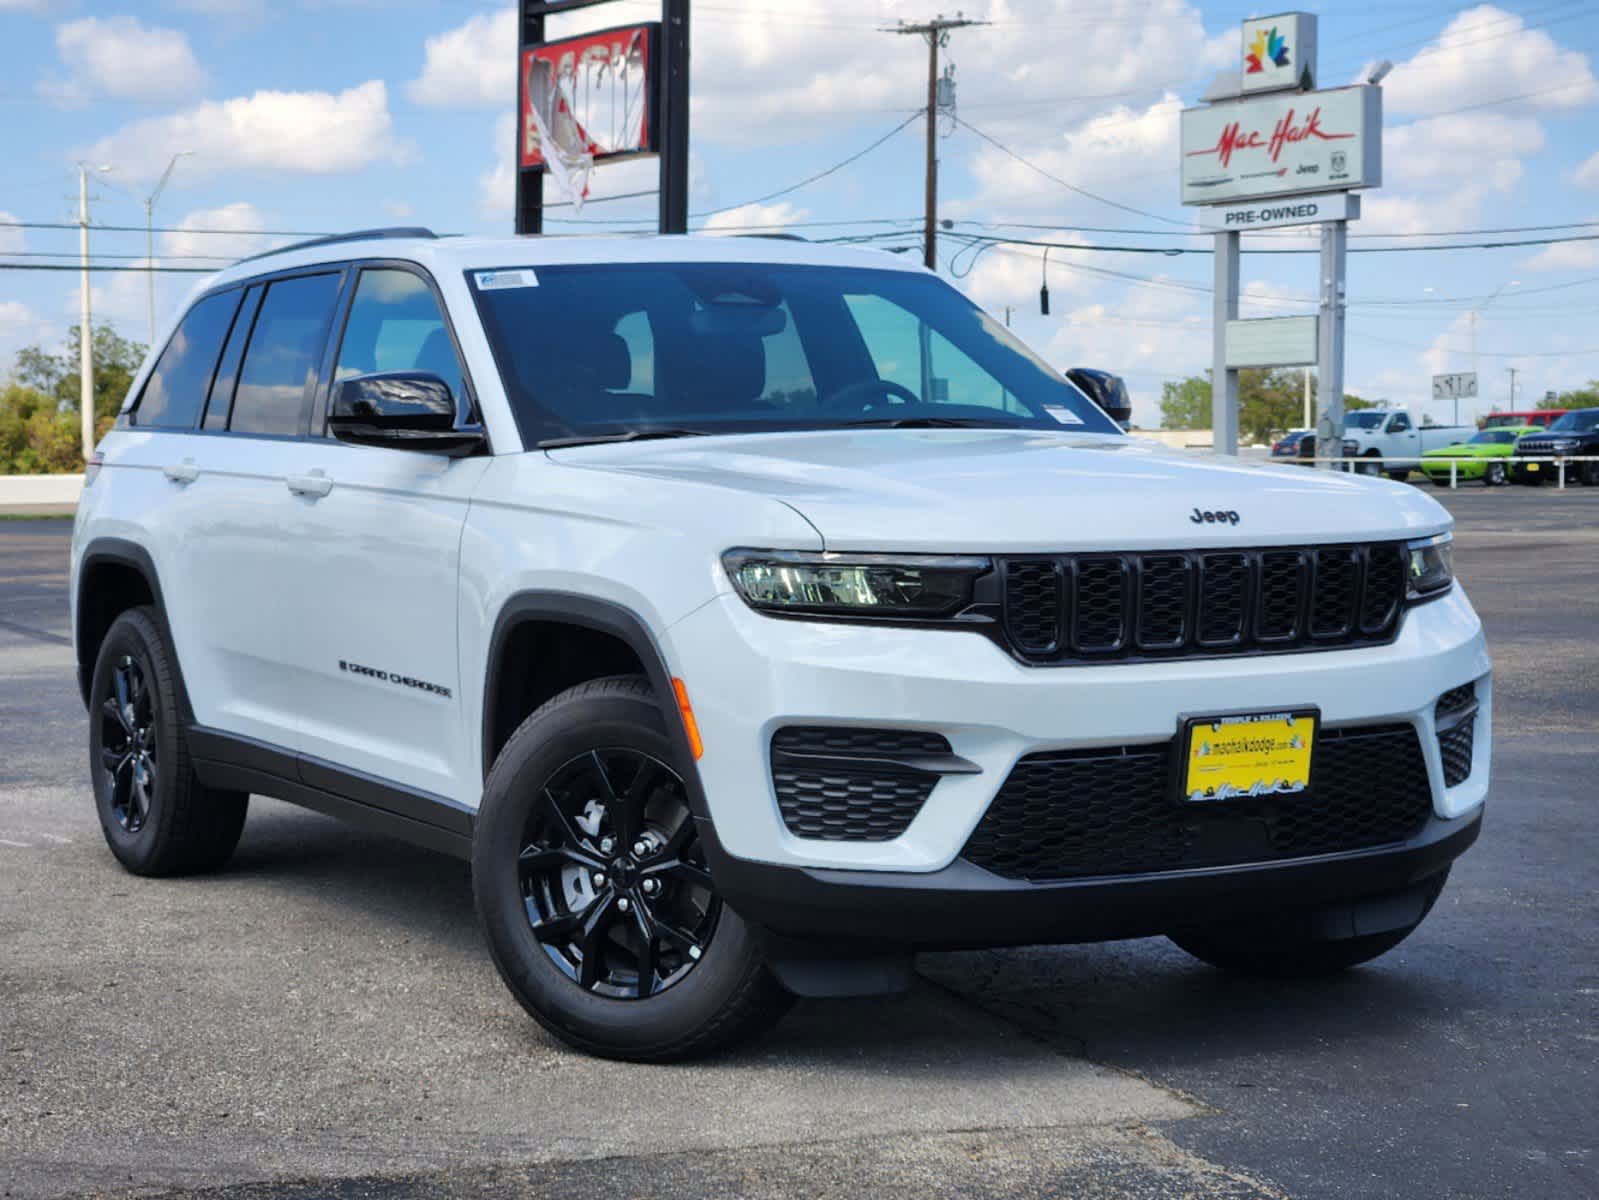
[(1088, 607)]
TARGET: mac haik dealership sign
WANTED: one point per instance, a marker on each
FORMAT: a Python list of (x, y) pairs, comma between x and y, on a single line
[(1281, 145)]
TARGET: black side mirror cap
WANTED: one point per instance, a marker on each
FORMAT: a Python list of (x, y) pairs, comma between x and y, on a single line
[(402, 410), (1106, 390)]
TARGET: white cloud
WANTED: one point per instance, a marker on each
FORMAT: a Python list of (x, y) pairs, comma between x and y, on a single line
[(24, 5), (1100, 155), (242, 217), (1565, 256), (470, 66), (1587, 175), (11, 236), (1011, 276), (123, 59), (310, 132), (764, 217), (1439, 172), (496, 187), (398, 210), (1488, 55)]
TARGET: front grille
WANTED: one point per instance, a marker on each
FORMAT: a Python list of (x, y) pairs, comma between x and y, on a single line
[(1082, 813), (1102, 607), (840, 784)]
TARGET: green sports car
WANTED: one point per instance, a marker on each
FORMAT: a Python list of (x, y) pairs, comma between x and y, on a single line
[(1484, 456)]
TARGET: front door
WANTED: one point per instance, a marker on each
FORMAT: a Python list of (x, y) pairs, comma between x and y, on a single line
[(376, 537)]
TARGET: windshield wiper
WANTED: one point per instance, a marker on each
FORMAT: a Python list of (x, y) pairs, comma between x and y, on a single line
[(627, 435), (934, 423)]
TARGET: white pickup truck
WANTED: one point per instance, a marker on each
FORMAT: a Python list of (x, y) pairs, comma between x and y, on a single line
[(1394, 441)]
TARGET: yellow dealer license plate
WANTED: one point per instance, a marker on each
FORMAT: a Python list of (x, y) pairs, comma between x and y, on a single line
[(1256, 754), (1533, 466)]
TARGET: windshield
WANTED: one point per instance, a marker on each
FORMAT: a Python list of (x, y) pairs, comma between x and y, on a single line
[(1577, 422), (1364, 420), (620, 349), (1494, 437)]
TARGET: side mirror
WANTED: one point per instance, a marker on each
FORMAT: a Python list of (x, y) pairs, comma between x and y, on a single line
[(403, 410), (1106, 390)]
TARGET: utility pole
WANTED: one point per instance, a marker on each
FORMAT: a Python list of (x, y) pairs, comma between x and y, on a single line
[(936, 32), (85, 329), (1512, 371)]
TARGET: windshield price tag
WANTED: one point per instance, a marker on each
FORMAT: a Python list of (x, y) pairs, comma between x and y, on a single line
[(493, 281), (1064, 415)]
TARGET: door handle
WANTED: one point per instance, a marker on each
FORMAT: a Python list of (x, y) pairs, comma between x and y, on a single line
[(314, 484), (183, 472)]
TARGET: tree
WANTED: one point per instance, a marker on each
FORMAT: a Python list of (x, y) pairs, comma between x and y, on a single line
[(116, 362), (39, 426), (1185, 404), (1269, 401), (1583, 397)]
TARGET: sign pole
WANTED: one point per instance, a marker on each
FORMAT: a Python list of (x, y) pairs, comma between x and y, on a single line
[(529, 184), (1224, 379), (1330, 427), (674, 117)]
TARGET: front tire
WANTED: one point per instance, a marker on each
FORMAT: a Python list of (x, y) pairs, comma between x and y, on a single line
[(158, 818), (1367, 467), (1277, 951), (593, 891)]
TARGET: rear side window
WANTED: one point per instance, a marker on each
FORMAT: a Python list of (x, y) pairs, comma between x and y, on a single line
[(176, 389), (280, 364)]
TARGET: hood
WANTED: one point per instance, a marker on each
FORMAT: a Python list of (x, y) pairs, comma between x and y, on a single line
[(993, 490)]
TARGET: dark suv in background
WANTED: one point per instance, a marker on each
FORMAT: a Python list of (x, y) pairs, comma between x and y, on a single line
[(1574, 435)]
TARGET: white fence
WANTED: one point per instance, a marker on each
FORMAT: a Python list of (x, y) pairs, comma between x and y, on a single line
[(1378, 464), (43, 492)]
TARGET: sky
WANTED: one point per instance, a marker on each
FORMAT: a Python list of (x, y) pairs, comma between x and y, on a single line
[(306, 116)]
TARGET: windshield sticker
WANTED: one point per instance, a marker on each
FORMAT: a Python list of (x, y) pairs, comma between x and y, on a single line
[(490, 281), (1064, 415)]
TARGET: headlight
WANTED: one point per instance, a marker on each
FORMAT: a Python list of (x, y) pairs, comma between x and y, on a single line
[(1432, 567), (885, 586)]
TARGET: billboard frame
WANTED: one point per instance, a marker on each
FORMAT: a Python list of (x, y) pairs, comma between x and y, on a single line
[(668, 97)]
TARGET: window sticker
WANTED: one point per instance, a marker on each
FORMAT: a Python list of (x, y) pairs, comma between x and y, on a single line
[(491, 281), (1064, 415)]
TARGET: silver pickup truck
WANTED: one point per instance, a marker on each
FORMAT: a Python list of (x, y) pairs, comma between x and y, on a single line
[(1394, 441)]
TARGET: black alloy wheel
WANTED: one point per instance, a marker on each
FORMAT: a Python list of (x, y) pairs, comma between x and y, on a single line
[(128, 740), (157, 817), (613, 877)]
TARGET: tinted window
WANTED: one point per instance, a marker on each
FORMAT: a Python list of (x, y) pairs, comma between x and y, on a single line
[(280, 364), (176, 390), (1580, 421), (604, 349), (1363, 420), (395, 325), (1399, 424), (221, 401)]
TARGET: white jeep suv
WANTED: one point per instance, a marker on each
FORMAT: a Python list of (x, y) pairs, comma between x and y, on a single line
[(753, 615)]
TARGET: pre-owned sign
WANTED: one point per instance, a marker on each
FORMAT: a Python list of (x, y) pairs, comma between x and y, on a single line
[(1282, 145), (1270, 214)]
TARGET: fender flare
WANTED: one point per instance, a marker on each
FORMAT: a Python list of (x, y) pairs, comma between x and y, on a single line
[(128, 554), (602, 616)]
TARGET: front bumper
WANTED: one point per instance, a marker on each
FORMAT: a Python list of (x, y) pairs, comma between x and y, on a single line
[(749, 675), (963, 906)]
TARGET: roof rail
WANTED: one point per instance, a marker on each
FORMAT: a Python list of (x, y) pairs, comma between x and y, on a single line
[(359, 235), (777, 237)]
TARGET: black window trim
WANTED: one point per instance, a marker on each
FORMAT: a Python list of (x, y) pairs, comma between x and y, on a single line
[(472, 417), (340, 268)]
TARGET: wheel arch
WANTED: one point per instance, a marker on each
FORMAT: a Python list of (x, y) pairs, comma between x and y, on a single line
[(114, 575), (587, 616)]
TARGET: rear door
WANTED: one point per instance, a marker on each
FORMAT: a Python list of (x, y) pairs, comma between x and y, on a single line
[(239, 599), (373, 541)]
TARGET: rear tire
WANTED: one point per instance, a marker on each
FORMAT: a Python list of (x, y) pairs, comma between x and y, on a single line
[(584, 844), (158, 818), (1275, 952), (1493, 475)]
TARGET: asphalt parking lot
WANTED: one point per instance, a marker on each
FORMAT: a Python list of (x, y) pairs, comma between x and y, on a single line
[(321, 1020)]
